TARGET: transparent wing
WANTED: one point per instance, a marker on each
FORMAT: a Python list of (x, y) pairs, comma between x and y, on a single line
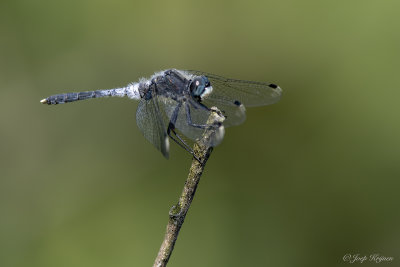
[(191, 119), (234, 112), (248, 93), (150, 123)]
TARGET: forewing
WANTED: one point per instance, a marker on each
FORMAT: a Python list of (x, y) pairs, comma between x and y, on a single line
[(249, 93), (150, 123)]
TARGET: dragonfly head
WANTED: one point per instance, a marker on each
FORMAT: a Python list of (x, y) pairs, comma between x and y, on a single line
[(200, 87)]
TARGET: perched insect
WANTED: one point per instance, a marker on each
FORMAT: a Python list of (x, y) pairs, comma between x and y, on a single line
[(176, 102)]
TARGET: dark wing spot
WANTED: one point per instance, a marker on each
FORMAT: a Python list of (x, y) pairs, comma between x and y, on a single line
[(273, 85), (237, 103)]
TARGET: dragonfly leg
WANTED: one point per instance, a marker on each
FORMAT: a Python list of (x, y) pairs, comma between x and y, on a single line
[(179, 141), (198, 105), (201, 126)]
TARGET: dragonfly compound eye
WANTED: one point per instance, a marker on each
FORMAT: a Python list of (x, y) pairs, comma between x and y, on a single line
[(197, 87), (200, 87)]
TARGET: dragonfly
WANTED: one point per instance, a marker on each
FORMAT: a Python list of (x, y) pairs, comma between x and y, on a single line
[(176, 104)]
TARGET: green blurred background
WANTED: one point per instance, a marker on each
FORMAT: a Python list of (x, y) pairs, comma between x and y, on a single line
[(301, 183)]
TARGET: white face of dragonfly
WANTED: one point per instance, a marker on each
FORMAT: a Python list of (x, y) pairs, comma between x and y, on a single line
[(207, 91)]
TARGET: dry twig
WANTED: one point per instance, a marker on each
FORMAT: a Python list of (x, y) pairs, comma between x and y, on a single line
[(178, 212)]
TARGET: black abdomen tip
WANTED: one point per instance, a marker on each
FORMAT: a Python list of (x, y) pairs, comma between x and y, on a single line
[(272, 85)]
